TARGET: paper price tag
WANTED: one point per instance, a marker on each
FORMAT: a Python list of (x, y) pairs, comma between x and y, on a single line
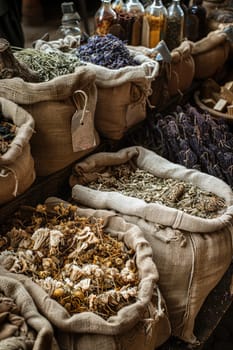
[(83, 135), (82, 125)]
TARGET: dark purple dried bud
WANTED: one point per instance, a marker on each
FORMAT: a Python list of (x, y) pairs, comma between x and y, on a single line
[(107, 51)]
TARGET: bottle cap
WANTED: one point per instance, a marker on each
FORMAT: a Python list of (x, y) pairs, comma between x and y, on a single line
[(69, 13), (67, 7)]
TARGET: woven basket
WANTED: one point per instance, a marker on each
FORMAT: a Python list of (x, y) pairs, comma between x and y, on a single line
[(212, 112)]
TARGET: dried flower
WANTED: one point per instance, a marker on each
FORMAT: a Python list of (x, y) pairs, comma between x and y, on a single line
[(72, 258)]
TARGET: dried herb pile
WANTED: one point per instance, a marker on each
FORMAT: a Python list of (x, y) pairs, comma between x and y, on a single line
[(72, 258), (7, 134), (48, 65), (107, 51), (190, 138), (135, 182)]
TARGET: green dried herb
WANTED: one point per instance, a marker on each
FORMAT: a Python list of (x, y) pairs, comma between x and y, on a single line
[(48, 65), (167, 191)]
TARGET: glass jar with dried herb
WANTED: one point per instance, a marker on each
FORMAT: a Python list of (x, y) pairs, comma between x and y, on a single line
[(154, 24), (135, 10), (175, 25), (105, 17), (123, 28)]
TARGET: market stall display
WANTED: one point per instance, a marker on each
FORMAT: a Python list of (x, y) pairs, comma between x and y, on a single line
[(165, 173)]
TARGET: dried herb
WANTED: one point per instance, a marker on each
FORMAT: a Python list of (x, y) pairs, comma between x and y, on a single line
[(175, 25), (10, 67), (141, 184), (189, 137), (72, 258), (48, 65), (107, 51), (7, 134)]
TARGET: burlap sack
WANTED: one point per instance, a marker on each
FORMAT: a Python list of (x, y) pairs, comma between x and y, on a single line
[(17, 171), (212, 6), (181, 70), (141, 325), (122, 95), (52, 106), (210, 54), (191, 253), (15, 334), (173, 78)]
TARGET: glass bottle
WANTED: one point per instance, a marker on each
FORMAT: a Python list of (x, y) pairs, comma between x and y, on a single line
[(196, 21), (175, 25), (185, 10), (123, 28), (135, 10), (154, 24), (105, 17), (70, 22)]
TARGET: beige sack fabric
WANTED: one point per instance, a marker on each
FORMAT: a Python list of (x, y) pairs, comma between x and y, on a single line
[(191, 253), (22, 326), (173, 78), (141, 325), (17, 171), (62, 108), (210, 54), (181, 70), (122, 95), (144, 336)]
